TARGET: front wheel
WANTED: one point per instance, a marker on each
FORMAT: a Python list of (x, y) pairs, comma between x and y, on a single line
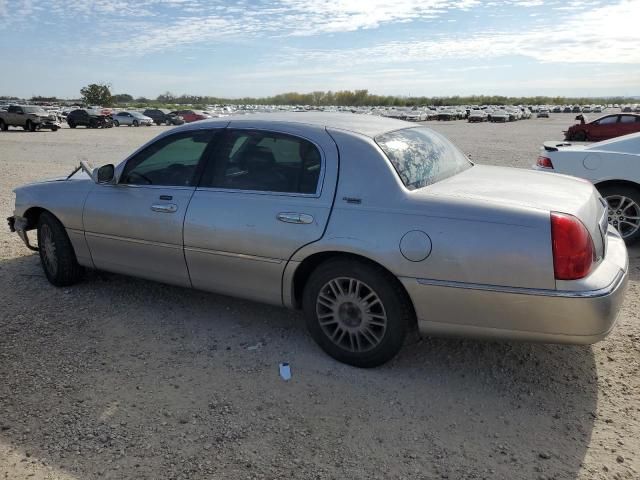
[(579, 137), (30, 126), (358, 313), (57, 256), (135, 123), (54, 129), (623, 210), (3, 126)]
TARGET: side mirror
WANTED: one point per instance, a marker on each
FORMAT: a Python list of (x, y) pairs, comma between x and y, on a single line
[(105, 174)]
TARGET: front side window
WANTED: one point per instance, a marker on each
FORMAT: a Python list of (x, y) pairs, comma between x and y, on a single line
[(264, 161), (171, 161), (421, 157)]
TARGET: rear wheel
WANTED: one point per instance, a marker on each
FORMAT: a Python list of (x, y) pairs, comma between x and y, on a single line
[(357, 312), (56, 252), (623, 211), (116, 123)]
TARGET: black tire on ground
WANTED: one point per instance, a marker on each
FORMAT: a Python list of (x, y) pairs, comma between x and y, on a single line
[(92, 124), (135, 123), (30, 126), (393, 303), (54, 129), (3, 126), (617, 190), (57, 256), (71, 124), (116, 123), (579, 137)]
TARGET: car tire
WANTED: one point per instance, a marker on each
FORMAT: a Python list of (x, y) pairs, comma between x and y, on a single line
[(30, 126), (57, 256), (3, 126), (579, 137), (619, 195), (71, 124), (135, 123), (346, 326), (116, 123), (54, 129)]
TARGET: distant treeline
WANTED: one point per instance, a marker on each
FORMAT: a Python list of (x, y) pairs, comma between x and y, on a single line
[(345, 98)]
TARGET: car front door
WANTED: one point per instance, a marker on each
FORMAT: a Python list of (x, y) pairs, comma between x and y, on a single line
[(134, 226), (16, 116), (606, 127), (263, 195)]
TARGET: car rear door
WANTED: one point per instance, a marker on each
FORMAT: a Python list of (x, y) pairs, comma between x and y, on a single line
[(135, 226), (604, 128), (264, 194)]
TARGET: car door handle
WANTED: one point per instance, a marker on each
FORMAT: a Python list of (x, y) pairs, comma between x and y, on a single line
[(165, 207), (291, 217)]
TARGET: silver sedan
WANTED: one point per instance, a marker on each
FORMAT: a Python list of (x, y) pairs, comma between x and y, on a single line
[(133, 119), (371, 226)]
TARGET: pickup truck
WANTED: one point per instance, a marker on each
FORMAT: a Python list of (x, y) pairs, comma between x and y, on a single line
[(29, 117)]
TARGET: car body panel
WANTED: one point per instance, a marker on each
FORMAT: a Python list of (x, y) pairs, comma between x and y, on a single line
[(604, 128)]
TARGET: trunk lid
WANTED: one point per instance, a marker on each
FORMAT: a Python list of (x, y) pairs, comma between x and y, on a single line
[(531, 189)]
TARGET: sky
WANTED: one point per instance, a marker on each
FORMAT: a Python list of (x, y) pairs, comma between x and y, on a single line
[(239, 48)]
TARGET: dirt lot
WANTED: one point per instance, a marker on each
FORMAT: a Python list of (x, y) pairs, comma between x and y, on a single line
[(119, 378)]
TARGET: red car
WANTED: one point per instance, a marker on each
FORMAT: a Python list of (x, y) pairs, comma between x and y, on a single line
[(191, 115), (603, 128)]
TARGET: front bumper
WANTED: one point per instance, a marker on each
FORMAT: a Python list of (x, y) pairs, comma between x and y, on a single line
[(49, 124), (550, 316)]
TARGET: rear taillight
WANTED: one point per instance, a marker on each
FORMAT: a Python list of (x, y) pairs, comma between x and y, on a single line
[(544, 162), (573, 250)]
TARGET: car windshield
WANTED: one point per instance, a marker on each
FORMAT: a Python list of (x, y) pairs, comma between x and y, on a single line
[(421, 157), (34, 110)]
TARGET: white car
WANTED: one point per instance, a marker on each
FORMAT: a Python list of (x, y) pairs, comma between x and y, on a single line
[(613, 166)]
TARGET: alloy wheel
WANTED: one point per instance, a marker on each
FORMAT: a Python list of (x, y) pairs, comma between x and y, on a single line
[(623, 213), (351, 314), (48, 248)]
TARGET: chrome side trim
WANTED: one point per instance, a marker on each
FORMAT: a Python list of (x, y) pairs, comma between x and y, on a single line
[(601, 292), (243, 256), (133, 240)]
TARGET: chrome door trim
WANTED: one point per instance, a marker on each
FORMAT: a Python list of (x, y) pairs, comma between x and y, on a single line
[(601, 292), (244, 256), (257, 192), (133, 240)]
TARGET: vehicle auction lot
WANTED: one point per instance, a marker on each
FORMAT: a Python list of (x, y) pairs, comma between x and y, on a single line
[(122, 378)]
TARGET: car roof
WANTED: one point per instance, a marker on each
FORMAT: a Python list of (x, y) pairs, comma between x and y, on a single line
[(368, 125)]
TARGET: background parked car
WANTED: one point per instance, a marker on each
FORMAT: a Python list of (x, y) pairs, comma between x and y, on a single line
[(133, 119), (543, 113), (477, 116), (83, 118), (163, 116), (603, 128), (29, 117), (613, 166), (190, 115)]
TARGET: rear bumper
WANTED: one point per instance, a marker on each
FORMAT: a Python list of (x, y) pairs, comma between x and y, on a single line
[(497, 312)]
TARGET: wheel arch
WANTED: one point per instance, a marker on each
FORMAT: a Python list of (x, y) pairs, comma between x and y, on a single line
[(609, 183), (304, 270)]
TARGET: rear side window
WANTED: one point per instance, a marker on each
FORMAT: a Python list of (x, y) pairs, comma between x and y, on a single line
[(256, 160), (627, 119), (421, 157), (608, 120)]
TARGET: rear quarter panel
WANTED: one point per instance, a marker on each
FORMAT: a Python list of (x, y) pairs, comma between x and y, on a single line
[(475, 243)]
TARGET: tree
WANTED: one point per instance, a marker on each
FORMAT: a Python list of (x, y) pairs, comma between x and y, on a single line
[(122, 98), (97, 94)]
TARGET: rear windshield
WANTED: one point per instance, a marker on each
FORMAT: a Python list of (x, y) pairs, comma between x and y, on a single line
[(421, 156)]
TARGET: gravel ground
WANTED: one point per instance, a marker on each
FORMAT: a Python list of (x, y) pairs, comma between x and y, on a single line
[(120, 378)]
